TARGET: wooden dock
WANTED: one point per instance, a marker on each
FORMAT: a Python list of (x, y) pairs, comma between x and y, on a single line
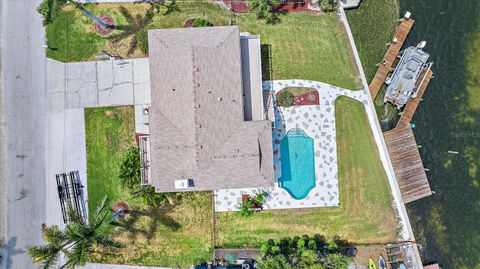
[(407, 164), (403, 150), (412, 105), (392, 52)]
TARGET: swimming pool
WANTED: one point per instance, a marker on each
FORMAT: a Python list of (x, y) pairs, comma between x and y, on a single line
[(298, 163)]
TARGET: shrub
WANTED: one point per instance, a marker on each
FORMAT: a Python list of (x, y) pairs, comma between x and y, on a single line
[(142, 38), (198, 22), (264, 9), (151, 198), (285, 99), (329, 5), (130, 169), (294, 253), (246, 209)]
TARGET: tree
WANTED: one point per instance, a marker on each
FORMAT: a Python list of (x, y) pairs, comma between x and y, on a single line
[(77, 241), (264, 9), (275, 262), (50, 9), (302, 252), (49, 255), (335, 261), (130, 169)]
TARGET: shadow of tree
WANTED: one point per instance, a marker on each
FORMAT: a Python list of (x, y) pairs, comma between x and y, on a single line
[(156, 215), (134, 24)]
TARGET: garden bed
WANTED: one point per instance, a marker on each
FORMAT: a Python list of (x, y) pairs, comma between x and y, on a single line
[(297, 96)]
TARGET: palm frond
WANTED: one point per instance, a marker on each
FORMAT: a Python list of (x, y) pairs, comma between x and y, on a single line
[(54, 236), (49, 9), (78, 253), (46, 255)]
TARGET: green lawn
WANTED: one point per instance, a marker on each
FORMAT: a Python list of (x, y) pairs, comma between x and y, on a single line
[(302, 46), (365, 214), (373, 25), (173, 235), (69, 39)]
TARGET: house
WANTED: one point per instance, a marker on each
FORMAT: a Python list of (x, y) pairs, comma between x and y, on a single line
[(207, 129)]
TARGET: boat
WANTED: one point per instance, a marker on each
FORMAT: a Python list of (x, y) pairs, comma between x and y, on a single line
[(402, 85), (381, 263), (402, 266), (371, 264)]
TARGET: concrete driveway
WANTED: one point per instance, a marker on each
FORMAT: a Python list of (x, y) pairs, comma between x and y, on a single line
[(71, 87), (102, 83)]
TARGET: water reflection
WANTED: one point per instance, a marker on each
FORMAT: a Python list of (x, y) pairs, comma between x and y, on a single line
[(447, 224)]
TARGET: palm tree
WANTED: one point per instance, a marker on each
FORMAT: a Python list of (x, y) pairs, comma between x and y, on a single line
[(50, 9), (49, 254), (77, 241)]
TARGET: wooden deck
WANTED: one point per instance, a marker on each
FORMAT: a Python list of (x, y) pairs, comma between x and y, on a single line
[(407, 164), (392, 52), (412, 105)]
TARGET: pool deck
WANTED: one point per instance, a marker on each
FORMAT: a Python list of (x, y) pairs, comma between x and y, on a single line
[(318, 122)]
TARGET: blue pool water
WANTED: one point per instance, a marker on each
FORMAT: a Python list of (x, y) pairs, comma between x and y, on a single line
[(298, 163)]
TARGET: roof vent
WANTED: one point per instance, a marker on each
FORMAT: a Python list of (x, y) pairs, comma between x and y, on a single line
[(220, 99)]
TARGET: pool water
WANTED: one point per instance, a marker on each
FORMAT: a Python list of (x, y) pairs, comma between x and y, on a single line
[(298, 163)]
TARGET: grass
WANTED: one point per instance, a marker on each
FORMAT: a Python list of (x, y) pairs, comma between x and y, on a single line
[(172, 235), (109, 131), (302, 46), (365, 214), (69, 40), (373, 25)]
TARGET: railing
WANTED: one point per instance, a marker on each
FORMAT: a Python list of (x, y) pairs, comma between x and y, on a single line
[(144, 142)]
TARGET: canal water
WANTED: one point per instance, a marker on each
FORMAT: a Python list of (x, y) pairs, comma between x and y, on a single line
[(447, 224)]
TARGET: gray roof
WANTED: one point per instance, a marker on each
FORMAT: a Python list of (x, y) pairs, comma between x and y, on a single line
[(197, 127)]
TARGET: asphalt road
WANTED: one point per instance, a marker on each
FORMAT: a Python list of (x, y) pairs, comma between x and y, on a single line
[(24, 126)]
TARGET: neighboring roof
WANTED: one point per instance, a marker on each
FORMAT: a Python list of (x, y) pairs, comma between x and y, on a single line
[(197, 129)]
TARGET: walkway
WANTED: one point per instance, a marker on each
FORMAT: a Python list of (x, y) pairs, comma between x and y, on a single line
[(318, 122)]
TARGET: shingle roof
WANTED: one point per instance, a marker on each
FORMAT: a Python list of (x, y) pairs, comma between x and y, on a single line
[(197, 129)]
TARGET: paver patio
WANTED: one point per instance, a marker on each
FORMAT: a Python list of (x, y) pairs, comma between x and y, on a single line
[(318, 122)]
